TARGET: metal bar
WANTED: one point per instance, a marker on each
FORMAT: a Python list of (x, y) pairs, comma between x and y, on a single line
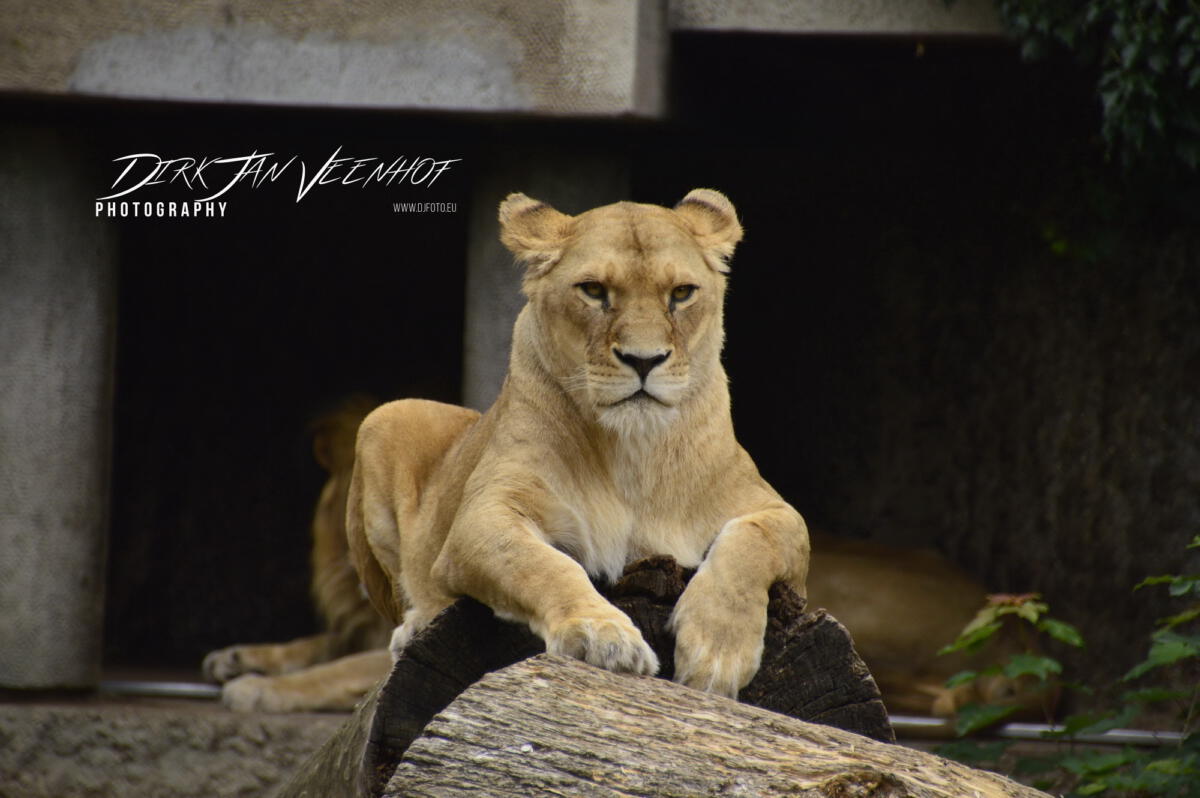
[(940, 727), (152, 689), (910, 725)]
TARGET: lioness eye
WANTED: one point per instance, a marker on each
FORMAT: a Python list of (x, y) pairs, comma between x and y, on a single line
[(593, 289), (682, 293)]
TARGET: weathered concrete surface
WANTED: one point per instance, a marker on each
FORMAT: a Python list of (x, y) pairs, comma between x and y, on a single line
[(578, 57), (921, 17), (572, 185), (150, 748), (57, 322), (546, 56)]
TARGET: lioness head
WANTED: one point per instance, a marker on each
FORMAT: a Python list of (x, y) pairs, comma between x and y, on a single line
[(627, 300)]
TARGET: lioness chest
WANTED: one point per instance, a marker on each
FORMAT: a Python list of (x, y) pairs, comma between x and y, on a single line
[(605, 525)]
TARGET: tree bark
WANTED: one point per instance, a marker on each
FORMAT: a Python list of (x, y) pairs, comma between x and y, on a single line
[(809, 671), (555, 726)]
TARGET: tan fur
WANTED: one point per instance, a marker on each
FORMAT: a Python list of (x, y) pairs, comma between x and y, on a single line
[(331, 670), (573, 473), (901, 606)]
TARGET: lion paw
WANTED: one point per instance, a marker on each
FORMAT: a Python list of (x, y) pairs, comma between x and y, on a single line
[(256, 693), (224, 664), (608, 640), (718, 638)]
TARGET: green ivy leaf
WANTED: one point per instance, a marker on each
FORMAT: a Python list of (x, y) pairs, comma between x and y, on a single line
[(1032, 610), (1183, 585), (1171, 766), (1061, 631), (1019, 665), (1168, 647), (961, 678), (1172, 621), (1098, 763), (974, 717), (972, 640), (1150, 581), (985, 617), (1151, 695), (1087, 724)]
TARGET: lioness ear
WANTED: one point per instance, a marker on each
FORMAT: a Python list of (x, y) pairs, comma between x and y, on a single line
[(533, 231), (713, 221)]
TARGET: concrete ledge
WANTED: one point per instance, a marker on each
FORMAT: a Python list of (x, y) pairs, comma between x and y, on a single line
[(580, 57), (150, 748), (896, 17)]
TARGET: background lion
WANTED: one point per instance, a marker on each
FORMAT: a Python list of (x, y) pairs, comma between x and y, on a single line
[(331, 670)]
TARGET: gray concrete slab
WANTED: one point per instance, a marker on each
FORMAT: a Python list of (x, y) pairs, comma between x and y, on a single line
[(57, 323), (546, 56)]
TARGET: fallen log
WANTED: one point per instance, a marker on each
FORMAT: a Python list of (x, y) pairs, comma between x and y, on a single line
[(809, 671), (555, 726)]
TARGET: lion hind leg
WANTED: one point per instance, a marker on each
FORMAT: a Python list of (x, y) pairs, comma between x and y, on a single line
[(390, 525)]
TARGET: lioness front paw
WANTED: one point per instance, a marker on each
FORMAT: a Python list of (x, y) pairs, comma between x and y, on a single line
[(607, 640), (224, 664), (718, 637)]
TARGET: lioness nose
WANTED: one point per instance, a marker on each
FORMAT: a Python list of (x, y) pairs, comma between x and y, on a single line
[(642, 365)]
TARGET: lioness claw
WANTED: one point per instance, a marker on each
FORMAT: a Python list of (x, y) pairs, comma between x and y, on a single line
[(615, 645)]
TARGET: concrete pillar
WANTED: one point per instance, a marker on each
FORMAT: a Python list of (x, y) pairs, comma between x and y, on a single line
[(572, 185), (57, 319)]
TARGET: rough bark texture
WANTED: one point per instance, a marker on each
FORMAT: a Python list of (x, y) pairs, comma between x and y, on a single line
[(809, 671), (554, 726)]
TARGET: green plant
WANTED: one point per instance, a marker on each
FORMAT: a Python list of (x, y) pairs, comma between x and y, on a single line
[(1146, 54), (1030, 612), (1168, 677)]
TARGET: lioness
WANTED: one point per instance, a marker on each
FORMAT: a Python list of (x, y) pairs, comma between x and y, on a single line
[(611, 440)]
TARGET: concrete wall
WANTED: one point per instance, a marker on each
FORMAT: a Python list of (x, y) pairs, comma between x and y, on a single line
[(57, 320), (548, 56), (544, 56)]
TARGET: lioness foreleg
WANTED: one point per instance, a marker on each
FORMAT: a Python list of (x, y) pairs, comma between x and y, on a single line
[(513, 570), (720, 619)]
